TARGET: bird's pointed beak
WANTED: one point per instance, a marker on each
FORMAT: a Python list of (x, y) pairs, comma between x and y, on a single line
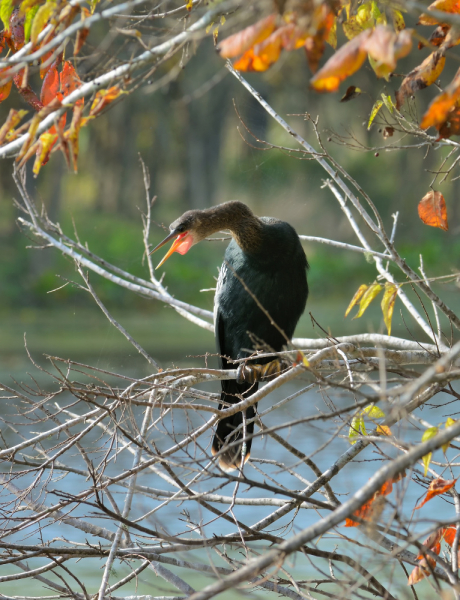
[(182, 244)]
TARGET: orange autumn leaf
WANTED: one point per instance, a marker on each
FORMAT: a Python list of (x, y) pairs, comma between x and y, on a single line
[(240, 42), (447, 6), (365, 513), (372, 507), (421, 77), (441, 106), (5, 90), (437, 486), (346, 61), (262, 55), (383, 430), (432, 210), (50, 86), (425, 568), (432, 543), (448, 535), (103, 98)]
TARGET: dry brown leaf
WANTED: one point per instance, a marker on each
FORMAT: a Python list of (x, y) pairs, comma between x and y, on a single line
[(421, 77)]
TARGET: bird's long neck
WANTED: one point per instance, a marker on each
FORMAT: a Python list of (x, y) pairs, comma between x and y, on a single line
[(245, 227)]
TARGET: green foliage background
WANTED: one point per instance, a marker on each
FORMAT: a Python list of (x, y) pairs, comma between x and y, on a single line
[(190, 135)]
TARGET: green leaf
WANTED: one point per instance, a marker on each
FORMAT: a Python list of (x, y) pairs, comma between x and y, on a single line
[(357, 426), (30, 16), (6, 10), (373, 412), (375, 109)]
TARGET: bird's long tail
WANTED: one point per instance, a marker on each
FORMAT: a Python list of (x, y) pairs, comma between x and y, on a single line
[(231, 438)]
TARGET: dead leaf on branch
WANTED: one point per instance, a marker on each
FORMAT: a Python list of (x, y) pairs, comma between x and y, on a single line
[(351, 93), (421, 77), (432, 210), (437, 486)]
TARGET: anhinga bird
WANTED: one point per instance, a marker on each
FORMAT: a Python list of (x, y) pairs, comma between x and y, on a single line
[(261, 294)]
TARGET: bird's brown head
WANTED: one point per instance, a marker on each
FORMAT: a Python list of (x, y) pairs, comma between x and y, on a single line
[(186, 230), (195, 225)]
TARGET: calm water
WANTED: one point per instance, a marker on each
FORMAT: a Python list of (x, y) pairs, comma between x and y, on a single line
[(318, 440)]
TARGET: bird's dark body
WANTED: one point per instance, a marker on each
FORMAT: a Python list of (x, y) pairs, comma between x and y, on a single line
[(276, 275), (261, 293)]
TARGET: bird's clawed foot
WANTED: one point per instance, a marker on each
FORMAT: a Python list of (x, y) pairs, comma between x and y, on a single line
[(251, 373)]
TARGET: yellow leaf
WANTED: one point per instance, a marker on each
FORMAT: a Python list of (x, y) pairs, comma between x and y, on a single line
[(389, 104), (332, 35), (41, 18), (357, 426), (14, 117), (373, 412), (384, 430), (30, 138), (367, 298), (356, 297), (429, 433), (47, 140), (398, 19), (6, 10), (388, 304), (426, 461), (375, 109), (449, 422)]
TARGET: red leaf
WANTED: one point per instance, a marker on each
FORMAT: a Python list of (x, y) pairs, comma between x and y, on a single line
[(50, 86), (433, 212), (70, 81)]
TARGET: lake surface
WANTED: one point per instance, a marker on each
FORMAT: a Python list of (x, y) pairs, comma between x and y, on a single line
[(92, 340)]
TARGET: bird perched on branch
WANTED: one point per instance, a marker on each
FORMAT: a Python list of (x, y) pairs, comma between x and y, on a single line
[(261, 293)]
